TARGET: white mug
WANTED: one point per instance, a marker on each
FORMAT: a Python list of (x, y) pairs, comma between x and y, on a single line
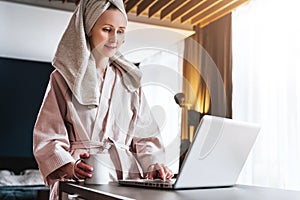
[(101, 165)]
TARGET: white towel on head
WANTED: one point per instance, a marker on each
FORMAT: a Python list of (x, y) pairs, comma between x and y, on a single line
[(73, 58)]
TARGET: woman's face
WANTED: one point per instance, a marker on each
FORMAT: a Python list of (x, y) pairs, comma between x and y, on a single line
[(108, 33)]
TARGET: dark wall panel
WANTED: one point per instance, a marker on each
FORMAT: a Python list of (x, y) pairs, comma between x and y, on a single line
[(22, 88)]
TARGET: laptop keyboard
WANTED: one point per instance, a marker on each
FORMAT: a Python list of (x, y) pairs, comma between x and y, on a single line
[(156, 183)]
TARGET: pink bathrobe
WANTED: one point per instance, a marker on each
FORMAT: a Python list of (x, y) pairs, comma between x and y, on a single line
[(122, 121)]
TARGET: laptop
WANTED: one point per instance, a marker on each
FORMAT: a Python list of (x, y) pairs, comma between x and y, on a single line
[(215, 158)]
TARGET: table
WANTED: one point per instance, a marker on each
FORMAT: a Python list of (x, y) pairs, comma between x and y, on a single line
[(115, 191)]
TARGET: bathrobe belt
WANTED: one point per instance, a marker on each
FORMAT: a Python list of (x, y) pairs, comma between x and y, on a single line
[(97, 145)]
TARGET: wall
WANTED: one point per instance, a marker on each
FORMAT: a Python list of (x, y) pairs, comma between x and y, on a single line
[(30, 32)]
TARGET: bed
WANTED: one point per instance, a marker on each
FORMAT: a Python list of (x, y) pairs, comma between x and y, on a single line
[(21, 179)]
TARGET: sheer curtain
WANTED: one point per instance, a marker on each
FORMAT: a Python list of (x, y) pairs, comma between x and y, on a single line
[(266, 89)]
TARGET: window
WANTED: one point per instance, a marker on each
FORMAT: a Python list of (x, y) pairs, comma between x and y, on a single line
[(266, 89)]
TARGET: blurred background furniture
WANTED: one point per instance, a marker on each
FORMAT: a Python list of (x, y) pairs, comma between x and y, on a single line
[(191, 118)]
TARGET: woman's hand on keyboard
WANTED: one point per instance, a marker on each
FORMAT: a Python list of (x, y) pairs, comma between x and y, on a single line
[(159, 171)]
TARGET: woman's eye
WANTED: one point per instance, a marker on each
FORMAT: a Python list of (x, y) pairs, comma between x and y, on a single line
[(106, 29), (121, 31)]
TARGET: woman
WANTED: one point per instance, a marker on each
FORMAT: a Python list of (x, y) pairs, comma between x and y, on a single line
[(94, 103)]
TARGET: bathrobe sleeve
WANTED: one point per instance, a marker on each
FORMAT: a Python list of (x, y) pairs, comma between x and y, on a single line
[(147, 142), (51, 143)]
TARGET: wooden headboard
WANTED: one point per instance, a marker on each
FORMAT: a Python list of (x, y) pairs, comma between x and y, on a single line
[(23, 84)]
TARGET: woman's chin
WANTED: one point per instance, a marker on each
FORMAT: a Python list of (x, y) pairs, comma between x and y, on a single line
[(110, 52)]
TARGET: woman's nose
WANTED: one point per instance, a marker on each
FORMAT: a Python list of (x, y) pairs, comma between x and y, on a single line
[(113, 37)]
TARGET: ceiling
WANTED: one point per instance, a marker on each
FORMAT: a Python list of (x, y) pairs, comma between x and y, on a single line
[(182, 14)]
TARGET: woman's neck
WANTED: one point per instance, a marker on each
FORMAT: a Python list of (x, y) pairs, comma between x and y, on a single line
[(101, 64)]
